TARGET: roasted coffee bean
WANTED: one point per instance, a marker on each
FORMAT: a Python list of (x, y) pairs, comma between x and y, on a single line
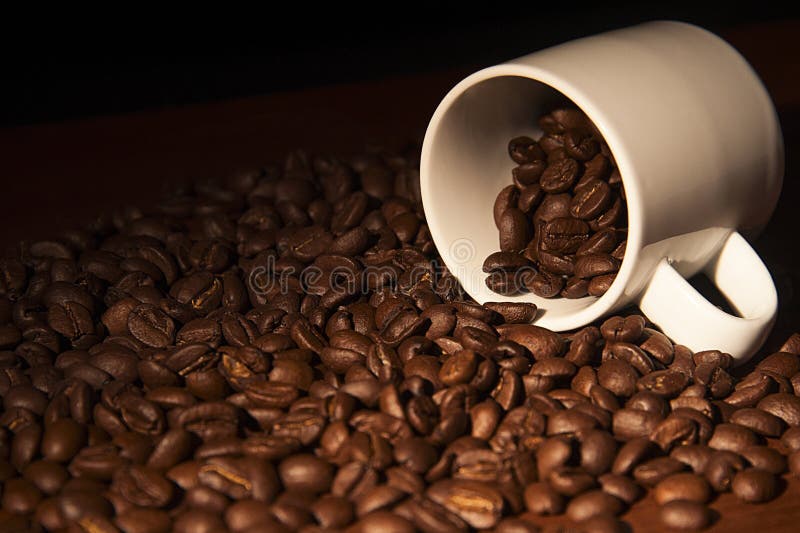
[(618, 377), (759, 421), (674, 431), (514, 230), (754, 485), (545, 285), (594, 265), (62, 439), (651, 472), (551, 454), (136, 520), (479, 505), (782, 405), (514, 312), (685, 515), (631, 454), (791, 439), (20, 496), (151, 326), (564, 235), (794, 463), (599, 285), (765, 458), (732, 437), (505, 200), (540, 498), (621, 487), (306, 472), (48, 476), (524, 150), (597, 450), (143, 487), (571, 481), (581, 144), (542, 343), (604, 523), (504, 283), (593, 503), (683, 486), (721, 469), (560, 175)]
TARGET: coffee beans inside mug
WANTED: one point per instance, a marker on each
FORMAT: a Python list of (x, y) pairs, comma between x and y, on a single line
[(563, 223)]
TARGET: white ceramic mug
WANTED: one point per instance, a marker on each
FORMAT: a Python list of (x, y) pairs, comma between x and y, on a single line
[(698, 145)]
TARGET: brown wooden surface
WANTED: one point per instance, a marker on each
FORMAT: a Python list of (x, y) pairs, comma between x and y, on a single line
[(63, 174)]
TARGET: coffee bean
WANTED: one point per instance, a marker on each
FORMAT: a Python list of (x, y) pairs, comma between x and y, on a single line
[(732, 437), (791, 439), (545, 285), (531, 194), (540, 498), (598, 449), (551, 454), (571, 481), (593, 265), (721, 469), (332, 512), (479, 505), (381, 521), (143, 487), (631, 454), (782, 405), (593, 503), (604, 523), (507, 199), (559, 176), (504, 283), (765, 458), (755, 486), (151, 326), (306, 472), (685, 515), (695, 456), (599, 285), (651, 472), (20, 496), (564, 235), (553, 206), (541, 342), (621, 487), (593, 197), (62, 440), (514, 230), (758, 421), (618, 376), (683, 486), (137, 520), (794, 463), (514, 312), (524, 150)]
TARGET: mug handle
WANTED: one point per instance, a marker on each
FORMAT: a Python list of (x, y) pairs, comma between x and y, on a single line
[(688, 318)]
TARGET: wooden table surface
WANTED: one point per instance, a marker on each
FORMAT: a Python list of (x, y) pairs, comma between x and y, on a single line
[(64, 174)]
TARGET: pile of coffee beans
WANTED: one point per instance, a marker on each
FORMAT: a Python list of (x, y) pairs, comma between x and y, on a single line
[(563, 222), (283, 351)]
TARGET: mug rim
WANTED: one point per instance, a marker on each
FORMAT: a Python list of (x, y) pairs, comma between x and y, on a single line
[(616, 294)]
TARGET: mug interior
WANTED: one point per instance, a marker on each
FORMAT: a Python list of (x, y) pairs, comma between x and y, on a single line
[(465, 164)]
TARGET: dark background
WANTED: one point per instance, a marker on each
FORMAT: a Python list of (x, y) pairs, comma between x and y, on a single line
[(130, 62)]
